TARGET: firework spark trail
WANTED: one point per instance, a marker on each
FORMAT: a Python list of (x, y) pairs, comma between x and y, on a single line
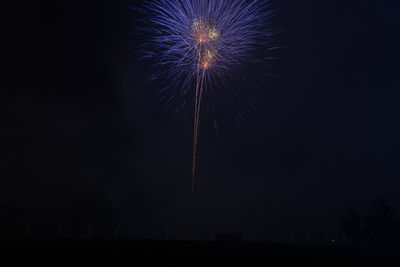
[(195, 122), (202, 48), (199, 94), (196, 129)]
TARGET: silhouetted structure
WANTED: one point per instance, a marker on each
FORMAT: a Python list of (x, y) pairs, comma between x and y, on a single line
[(353, 227), (380, 227), (231, 237)]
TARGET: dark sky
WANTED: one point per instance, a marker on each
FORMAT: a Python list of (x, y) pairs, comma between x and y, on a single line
[(86, 139)]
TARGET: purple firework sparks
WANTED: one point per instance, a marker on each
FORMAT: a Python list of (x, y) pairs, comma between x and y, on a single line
[(201, 47)]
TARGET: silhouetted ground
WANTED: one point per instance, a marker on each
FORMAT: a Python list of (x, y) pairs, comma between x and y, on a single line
[(130, 252)]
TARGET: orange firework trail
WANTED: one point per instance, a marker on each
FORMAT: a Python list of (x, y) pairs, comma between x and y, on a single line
[(204, 34), (199, 93)]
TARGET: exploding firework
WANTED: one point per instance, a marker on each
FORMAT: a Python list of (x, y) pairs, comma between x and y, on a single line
[(205, 49)]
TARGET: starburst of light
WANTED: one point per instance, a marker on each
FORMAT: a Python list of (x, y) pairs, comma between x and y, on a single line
[(203, 50)]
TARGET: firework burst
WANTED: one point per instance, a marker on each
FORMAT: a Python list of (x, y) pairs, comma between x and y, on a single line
[(205, 49)]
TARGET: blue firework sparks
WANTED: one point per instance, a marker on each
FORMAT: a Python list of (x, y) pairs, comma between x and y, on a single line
[(233, 36), (210, 53)]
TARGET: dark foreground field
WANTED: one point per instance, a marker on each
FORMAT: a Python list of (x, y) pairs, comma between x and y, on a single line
[(122, 252)]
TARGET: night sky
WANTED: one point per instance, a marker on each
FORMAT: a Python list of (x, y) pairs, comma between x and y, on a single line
[(85, 137)]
